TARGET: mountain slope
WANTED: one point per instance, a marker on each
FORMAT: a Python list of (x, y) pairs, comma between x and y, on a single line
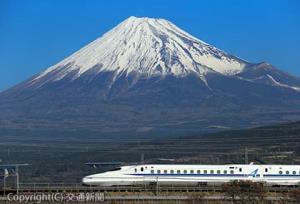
[(147, 75)]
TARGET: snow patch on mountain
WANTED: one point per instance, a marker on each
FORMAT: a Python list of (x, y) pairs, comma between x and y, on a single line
[(282, 85)]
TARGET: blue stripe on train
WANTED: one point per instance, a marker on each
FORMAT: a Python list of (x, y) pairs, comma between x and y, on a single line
[(200, 175), (278, 175), (216, 175)]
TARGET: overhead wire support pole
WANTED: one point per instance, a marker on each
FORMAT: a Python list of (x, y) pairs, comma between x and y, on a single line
[(142, 158), (246, 156), (15, 168), (17, 178), (4, 183)]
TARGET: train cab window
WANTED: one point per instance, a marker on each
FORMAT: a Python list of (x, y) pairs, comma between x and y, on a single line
[(294, 172), (280, 172), (185, 171), (205, 171), (165, 171), (218, 171), (178, 171), (287, 172), (231, 172), (266, 170), (158, 171), (212, 171), (225, 171), (116, 169), (172, 172), (142, 168), (240, 170), (152, 171), (198, 172), (192, 171)]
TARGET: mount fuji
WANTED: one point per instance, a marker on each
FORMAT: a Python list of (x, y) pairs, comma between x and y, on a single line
[(147, 75)]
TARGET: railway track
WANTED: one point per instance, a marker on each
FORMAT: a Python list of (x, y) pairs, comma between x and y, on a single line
[(77, 187), (72, 193)]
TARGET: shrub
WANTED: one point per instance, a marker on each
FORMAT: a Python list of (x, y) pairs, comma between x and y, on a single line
[(245, 191)]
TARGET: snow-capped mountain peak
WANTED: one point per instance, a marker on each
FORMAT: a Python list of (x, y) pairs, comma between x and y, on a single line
[(149, 47), (149, 75)]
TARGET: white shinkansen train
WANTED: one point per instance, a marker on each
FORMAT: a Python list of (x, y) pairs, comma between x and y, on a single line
[(172, 174)]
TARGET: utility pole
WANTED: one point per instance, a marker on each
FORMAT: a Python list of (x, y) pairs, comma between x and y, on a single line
[(4, 186), (246, 156), (17, 178), (5, 175), (142, 158), (157, 186)]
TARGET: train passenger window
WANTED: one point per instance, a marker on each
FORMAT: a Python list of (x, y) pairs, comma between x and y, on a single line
[(218, 171), (172, 172), (135, 170), (185, 171), (178, 171), (287, 172), (165, 171), (152, 171), (240, 169), (225, 171), (158, 171), (192, 171), (280, 172), (142, 169), (212, 171), (294, 172), (231, 172), (198, 171), (205, 171)]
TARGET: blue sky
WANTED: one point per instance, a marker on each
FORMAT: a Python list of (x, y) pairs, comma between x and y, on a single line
[(35, 34)]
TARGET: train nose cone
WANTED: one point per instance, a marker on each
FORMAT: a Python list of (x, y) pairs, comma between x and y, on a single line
[(85, 181)]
